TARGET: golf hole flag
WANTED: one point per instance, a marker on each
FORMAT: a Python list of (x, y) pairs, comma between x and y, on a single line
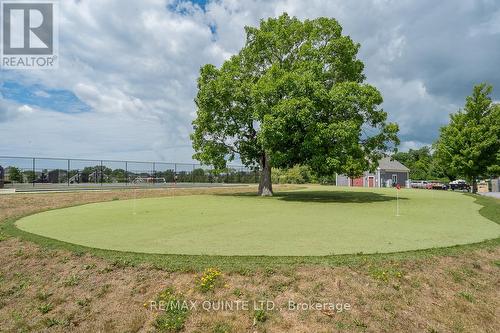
[(397, 199)]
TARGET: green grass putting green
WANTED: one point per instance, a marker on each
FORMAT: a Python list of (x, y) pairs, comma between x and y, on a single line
[(312, 222)]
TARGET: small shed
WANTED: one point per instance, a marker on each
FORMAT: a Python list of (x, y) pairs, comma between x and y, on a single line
[(388, 173), (495, 185)]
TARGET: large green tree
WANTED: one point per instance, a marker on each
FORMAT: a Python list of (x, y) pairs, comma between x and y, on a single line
[(469, 145), (439, 170), (294, 94)]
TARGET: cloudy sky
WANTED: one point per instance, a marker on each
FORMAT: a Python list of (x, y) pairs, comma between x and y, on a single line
[(127, 73)]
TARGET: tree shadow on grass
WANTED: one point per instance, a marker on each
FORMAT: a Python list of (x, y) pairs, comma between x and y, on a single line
[(326, 196)]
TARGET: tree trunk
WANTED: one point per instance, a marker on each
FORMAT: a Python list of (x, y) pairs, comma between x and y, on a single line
[(474, 185), (265, 185)]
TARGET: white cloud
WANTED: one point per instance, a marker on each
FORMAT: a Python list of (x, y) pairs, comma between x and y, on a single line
[(136, 66), (407, 145), (26, 109), (41, 93), (41, 132), (8, 110)]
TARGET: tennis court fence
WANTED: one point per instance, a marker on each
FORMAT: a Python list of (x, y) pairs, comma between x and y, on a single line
[(36, 171)]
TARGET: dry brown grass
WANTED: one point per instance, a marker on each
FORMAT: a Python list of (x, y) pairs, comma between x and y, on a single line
[(89, 294)]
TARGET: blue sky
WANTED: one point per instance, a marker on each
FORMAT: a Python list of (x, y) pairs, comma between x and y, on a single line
[(127, 73), (201, 3), (36, 95)]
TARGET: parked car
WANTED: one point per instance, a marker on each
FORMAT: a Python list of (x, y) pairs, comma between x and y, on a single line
[(437, 186), (459, 185), (419, 184), (428, 185)]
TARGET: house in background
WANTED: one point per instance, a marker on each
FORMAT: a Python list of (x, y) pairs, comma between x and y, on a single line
[(388, 173)]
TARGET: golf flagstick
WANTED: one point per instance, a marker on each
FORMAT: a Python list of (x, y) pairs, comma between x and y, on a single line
[(135, 198), (397, 199), (175, 184)]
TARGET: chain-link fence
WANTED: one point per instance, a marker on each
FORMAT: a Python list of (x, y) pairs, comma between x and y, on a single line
[(34, 171)]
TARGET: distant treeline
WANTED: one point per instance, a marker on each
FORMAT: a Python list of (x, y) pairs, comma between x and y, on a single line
[(423, 165)]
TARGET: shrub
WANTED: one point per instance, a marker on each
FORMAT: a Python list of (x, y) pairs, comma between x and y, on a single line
[(15, 175), (467, 296), (50, 322), (299, 174), (210, 279), (174, 316), (45, 308), (260, 315), (386, 274)]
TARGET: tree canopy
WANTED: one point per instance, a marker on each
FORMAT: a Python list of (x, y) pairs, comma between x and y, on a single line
[(294, 94), (15, 174), (470, 144), (424, 165), (418, 161)]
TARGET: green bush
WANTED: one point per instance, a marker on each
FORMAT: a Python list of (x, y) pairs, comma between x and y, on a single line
[(175, 315), (15, 175), (260, 315), (210, 279), (45, 308), (299, 174)]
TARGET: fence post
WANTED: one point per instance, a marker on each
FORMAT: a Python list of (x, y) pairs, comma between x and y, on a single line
[(102, 173), (68, 170), (192, 173), (34, 175), (154, 173), (126, 172), (175, 172)]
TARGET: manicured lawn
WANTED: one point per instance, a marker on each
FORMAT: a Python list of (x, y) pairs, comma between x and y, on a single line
[(315, 221)]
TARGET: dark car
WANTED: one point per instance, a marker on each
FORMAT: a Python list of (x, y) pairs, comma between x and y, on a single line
[(459, 185)]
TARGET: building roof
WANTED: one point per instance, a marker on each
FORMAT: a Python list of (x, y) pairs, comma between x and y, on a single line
[(387, 164)]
